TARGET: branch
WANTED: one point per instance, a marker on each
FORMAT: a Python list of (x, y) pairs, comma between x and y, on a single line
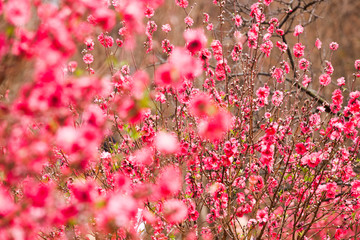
[(297, 8), (309, 92)]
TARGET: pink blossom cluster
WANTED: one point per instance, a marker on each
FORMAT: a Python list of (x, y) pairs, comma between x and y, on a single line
[(222, 137)]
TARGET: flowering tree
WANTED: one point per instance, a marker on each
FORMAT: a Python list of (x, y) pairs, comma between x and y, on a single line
[(204, 140)]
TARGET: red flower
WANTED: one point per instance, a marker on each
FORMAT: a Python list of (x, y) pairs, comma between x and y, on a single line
[(88, 58), (195, 40), (175, 211), (298, 50), (325, 79), (355, 188)]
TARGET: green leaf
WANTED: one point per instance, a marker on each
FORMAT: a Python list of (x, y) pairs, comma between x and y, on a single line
[(308, 178), (10, 30), (100, 204), (78, 72), (145, 102), (134, 134), (112, 59)]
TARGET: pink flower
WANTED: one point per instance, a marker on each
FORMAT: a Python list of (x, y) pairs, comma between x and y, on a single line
[(274, 21), (143, 156), (262, 216), (318, 43), (298, 30), (221, 68), (251, 223), (192, 213), (123, 31), (182, 3), (72, 66), (267, 2), (235, 53), (298, 50), (17, 12), (169, 181), (206, 17), (341, 81), (89, 44), (354, 95), (160, 97), (240, 198), (166, 143), (106, 41), (321, 109), (181, 67), (154, 3), (331, 190), (122, 209), (270, 30), (277, 98), (306, 80), (149, 12), (119, 42), (125, 69), (340, 234), (325, 79), (312, 160), (357, 64), (88, 58), (266, 47), (257, 13), (67, 213), (3, 45), (355, 188), (6, 202), (151, 27), (280, 32), (286, 66), (133, 13), (195, 40), (166, 28), (337, 97), (215, 127), (217, 49), (267, 36), (256, 183), (278, 74), (333, 46), (83, 191), (238, 20), (189, 21), (263, 92), (167, 46), (300, 148), (282, 46), (201, 105), (329, 69), (303, 64), (168, 75), (91, 71), (67, 137), (188, 66), (175, 211), (253, 35), (105, 18)]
